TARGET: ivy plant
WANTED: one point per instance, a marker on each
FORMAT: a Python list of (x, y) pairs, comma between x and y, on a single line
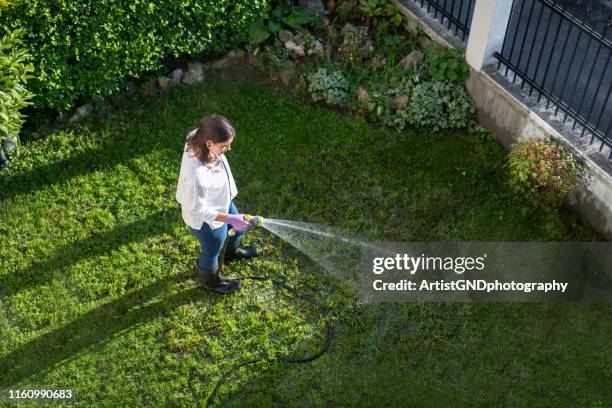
[(330, 87)]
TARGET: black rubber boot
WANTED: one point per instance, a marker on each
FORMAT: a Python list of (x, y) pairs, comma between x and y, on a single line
[(210, 280), (237, 251)]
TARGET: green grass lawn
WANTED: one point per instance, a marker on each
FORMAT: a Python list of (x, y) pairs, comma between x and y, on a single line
[(96, 273)]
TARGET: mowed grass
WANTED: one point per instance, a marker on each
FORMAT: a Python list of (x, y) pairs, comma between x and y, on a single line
[(96, 274)]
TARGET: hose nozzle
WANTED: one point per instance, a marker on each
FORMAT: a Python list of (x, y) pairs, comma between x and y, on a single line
[(256, 221)]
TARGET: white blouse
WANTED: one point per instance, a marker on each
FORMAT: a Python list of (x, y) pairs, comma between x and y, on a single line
[(204, 190)]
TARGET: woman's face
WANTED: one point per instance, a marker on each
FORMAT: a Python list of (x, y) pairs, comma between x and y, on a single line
[(217, 149)]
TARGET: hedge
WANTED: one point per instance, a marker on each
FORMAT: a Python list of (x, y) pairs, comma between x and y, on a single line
[(14, 72), (85, 51)]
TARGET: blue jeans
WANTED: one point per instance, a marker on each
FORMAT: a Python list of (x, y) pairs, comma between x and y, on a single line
[(211, 241)]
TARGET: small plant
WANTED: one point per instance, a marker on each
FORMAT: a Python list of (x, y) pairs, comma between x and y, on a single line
[(440, 105), (446, 65), (330, 87), (542, 173)]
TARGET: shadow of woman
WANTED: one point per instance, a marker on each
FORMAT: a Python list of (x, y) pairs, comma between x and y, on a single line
[(94, 327), (45, 271)]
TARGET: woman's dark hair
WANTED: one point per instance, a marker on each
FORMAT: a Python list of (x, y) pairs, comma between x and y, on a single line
[(215, 128)]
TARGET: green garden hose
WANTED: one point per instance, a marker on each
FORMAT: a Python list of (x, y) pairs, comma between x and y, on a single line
[(281, 359)]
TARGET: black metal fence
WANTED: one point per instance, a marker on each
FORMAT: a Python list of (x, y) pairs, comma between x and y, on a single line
[(456, 13), (563, 51)]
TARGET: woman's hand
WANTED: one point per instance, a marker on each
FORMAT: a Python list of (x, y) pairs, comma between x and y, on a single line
[(237, 221)]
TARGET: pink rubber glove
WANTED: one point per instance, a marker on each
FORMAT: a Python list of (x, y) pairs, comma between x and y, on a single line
[(237, 221)]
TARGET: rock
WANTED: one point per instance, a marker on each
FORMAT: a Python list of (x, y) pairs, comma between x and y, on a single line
[(285, 35), (85, 110), (8, 145), (290, 45), (317, 50), (81, 112), (298, 50), (162, 83), (315, 7), (400, 102), (194, 74), (362, 95), (176, 76), (411, 61)]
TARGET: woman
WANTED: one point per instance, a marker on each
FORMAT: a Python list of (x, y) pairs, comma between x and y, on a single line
[(205, 192)]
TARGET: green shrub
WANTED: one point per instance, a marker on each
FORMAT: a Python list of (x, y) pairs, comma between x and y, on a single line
[(439, 105), (330, 87), (14, 72), (542, 173), (5, 4), (87, 50), (446, 65), (284, 14), (381, 8)]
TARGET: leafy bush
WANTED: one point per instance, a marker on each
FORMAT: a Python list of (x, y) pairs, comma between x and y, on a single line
[(446, 65), (88, 50), (439, 105), (381, 8), (284, 14), (330, 87), (542, 173), (14, 69)]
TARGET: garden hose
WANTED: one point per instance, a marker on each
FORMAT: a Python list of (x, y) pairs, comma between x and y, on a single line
[(281, 359)]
